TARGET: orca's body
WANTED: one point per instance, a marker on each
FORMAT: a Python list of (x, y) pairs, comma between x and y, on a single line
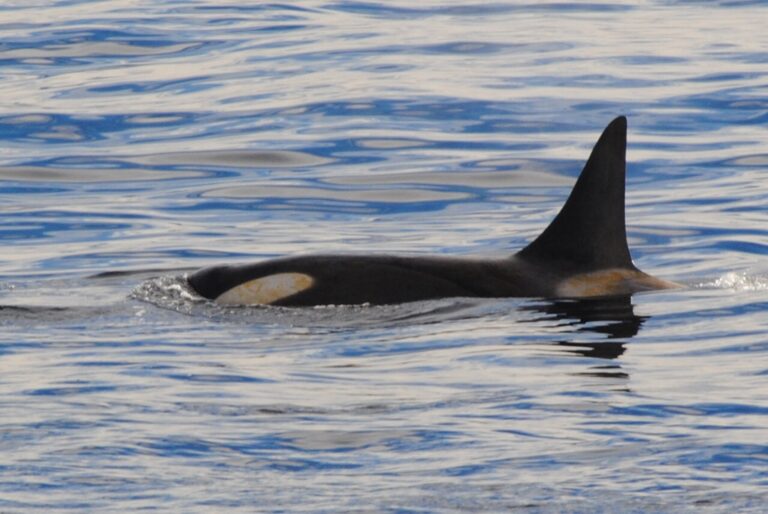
[(582, 253)]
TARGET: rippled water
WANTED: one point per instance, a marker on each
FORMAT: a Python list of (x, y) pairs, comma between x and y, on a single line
[(141, 140)]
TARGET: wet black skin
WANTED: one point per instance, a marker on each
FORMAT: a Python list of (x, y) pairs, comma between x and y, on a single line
[(587, 235), (386, 279)]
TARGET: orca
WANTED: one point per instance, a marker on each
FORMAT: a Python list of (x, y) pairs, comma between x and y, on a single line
[(582, 253)]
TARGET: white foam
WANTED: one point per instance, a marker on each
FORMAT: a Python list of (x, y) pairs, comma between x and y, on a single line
[(740, 281)]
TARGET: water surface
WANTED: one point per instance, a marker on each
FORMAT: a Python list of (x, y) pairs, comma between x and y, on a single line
[(142, 140)]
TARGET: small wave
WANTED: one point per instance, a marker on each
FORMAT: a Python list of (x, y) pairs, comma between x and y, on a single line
[(739, 281)]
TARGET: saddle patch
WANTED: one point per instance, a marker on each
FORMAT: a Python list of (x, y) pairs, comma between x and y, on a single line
[(609, 282)]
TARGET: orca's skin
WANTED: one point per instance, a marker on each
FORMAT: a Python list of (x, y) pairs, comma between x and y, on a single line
[(582, 253)]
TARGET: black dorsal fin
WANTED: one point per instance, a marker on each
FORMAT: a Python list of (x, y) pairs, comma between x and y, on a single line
[(588, 233)]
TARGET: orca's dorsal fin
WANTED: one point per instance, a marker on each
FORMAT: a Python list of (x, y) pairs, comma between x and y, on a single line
[(588, 233)]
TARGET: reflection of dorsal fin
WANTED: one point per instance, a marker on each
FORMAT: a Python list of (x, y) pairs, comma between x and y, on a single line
[(588, 233)]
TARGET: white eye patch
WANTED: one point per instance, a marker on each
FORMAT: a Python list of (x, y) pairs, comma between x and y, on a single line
[(267, 289)]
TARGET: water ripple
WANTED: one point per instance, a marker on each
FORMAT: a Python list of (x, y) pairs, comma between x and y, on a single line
[(141, 140)]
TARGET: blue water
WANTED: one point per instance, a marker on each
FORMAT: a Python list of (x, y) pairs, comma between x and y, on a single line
[(140, 140)]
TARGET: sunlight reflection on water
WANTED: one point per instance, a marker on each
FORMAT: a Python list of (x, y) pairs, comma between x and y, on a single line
[(144, 139)]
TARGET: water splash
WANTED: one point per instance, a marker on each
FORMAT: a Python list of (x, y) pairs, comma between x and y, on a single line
[(169, 292), (739, 281)]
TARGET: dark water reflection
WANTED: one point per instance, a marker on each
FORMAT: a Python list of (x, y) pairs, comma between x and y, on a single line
[(613, 317)]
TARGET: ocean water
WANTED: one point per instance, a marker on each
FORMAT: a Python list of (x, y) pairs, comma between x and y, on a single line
[(140, 140)]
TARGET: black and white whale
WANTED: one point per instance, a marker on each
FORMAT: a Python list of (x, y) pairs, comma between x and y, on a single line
[(582, 253)]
